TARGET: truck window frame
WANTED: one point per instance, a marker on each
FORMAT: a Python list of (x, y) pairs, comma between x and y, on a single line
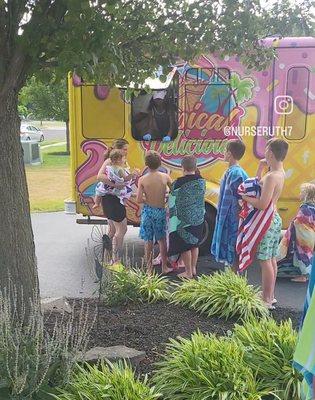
[(210, 82), (173, 90), (291, 70)]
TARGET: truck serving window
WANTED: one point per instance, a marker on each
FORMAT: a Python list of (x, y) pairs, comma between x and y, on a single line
[(297, 93), (154, 115)]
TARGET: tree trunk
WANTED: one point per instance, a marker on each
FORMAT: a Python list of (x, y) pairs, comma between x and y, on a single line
[(67, 137), (17, 249)]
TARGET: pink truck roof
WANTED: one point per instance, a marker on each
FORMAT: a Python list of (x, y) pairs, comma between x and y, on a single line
[(307, 41)]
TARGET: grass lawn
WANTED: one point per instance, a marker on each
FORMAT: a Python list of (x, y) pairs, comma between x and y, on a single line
[(49, 183), (46, 124), (50, 142)]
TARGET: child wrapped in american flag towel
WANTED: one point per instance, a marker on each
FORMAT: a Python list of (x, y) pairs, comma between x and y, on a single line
[(253, 223)]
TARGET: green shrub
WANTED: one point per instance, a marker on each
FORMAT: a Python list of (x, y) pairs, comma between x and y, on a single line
[(205, 367), (269, 352), (153, 288), (121, 288), (225, 294), (32, 359), (112, 382), (133, 285)]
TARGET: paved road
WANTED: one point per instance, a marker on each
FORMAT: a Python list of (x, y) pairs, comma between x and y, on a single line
[(66, 268), (55, 134)]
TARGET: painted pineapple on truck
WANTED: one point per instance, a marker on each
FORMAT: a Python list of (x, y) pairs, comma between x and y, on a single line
[(216, 100)]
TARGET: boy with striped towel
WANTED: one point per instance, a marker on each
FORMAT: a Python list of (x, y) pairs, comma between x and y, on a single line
[(271, 187)]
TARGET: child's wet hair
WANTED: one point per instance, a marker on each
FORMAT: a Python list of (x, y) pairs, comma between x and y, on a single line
[(115, 155), (278, 147), (152, 160), (308, 192), (120, 143), (117, 144), (189, 163), (236, 148)]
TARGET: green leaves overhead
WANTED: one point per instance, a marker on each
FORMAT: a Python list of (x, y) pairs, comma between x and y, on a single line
[(118, 42), (45, 100)]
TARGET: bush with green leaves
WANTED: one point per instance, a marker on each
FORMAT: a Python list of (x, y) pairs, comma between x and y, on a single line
[(106, 381), (269, 349), (32, 360), (205, 367), (226, 295), (120, 287), (134, 285)]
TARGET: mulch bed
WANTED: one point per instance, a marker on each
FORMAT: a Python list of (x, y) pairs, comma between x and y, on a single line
[(148, 327)]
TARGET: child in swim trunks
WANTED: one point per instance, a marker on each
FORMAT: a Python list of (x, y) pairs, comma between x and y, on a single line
[(116, 173), (152, 189), (271, 187)]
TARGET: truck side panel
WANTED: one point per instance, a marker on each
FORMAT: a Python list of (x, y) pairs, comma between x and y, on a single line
[(214, 95)]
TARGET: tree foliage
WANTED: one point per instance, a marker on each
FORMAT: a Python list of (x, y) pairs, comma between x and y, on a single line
[(45, 100), (122, 41)]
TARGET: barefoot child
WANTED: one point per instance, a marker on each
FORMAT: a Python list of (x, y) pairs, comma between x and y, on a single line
[(225, 234), (271, 187), (152, 189), (187, 213), (117, 174)]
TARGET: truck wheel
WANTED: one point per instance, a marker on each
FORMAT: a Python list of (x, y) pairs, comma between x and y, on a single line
[(204, 248)]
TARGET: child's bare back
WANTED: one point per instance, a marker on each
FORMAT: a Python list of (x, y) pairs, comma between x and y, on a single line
[(155, 186), (273, 181)]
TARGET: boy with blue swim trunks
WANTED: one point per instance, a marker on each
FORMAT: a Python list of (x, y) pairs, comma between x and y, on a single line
[(152, 190)]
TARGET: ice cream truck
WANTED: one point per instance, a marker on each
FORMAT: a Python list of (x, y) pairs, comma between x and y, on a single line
[(209, 101)]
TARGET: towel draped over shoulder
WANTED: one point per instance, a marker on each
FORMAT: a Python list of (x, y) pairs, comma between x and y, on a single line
[(226, 227), (253, 223), (186, 214)]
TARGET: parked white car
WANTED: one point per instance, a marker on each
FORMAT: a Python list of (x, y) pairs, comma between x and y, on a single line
[(30, 132)]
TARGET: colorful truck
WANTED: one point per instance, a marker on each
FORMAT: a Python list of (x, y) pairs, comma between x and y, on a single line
[(213, 100)]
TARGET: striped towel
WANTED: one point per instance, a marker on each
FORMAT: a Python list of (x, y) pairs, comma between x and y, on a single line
[(297, 246), (253, 223)]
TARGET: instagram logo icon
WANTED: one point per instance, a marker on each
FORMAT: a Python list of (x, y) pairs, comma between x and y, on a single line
[(283, 104)]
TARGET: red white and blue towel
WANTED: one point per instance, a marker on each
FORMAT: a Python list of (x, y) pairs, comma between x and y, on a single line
[(253, 223)]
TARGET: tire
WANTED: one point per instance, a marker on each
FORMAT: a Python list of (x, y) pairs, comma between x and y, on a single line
[(42, 138), (28, 138), (210, 216)]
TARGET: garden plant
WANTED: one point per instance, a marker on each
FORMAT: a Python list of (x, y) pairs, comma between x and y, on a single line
[(226, 295), (269, 349), (106, 381), (32, 359), (134, 285), (206, 367)]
